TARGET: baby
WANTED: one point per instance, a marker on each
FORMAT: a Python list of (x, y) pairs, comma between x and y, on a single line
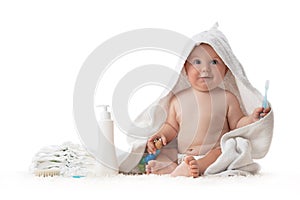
[(198, 117)]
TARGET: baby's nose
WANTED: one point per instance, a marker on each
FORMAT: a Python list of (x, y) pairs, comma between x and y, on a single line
[(204, 69)]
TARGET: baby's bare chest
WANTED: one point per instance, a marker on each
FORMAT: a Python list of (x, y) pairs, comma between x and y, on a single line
[(205, 107)]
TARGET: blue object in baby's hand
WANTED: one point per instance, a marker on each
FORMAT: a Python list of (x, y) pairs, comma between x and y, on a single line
[(265, 101), (151, 156), (144, 161)]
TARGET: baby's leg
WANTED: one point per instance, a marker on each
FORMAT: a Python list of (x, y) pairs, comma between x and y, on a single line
[(165, 162)]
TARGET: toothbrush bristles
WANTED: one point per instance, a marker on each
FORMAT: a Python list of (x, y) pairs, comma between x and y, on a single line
[(267, 84)]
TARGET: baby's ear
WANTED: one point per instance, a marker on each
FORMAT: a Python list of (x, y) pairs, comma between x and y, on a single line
[(185, 67)]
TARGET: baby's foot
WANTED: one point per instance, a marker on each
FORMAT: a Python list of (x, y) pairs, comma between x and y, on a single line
[(181, 170), (193, 166), (187, 168), (159, 167)]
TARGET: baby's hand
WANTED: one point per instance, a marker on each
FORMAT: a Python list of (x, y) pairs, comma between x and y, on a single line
[(260, 112), (152, 147)]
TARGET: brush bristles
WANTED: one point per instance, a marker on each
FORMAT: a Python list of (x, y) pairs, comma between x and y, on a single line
[(46, 173), (267, 84)]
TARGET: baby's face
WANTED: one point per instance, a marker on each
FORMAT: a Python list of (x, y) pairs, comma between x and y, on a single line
[(205, 69)]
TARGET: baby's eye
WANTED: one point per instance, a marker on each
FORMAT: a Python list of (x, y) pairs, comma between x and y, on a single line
[(214, 62), (196, 62)]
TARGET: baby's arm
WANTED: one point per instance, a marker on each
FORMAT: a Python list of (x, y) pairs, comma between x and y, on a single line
[(255, 116), (236, 118), (169, 129)]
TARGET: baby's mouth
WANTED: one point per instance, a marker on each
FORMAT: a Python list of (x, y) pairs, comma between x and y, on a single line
[(206, 76)]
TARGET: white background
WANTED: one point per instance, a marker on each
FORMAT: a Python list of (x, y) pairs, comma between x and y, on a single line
[(43, 45)]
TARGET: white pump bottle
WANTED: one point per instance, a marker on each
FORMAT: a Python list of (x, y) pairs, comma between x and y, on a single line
[(106, 149)]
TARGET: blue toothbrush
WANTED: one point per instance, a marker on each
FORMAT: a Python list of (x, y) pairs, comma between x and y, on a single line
[(265, 101)]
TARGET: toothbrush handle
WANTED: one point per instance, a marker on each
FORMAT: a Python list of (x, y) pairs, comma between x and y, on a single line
[(265, 102)]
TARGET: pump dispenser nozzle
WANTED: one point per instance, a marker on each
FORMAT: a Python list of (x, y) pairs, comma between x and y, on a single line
[(104, 114)]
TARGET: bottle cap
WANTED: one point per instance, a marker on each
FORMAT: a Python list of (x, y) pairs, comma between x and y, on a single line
[(104, 114)]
